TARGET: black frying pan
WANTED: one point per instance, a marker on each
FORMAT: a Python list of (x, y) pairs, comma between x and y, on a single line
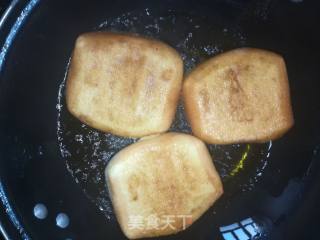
[(49, 157)]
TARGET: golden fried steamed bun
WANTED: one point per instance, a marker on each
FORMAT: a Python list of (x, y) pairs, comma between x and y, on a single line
[(159, 186), (239, 96), (124, 84)]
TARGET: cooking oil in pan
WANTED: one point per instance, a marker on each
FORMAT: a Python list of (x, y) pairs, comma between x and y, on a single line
[(87, 151)]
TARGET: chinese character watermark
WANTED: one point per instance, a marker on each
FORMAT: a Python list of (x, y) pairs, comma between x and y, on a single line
[(159, 222), (136, 222)]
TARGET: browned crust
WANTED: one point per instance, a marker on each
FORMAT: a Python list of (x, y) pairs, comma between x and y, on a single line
[(208, 172), (172, 97), (193, 81), (119, 206)]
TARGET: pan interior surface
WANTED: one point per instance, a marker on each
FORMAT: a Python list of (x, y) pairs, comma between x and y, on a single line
[(87, 151)]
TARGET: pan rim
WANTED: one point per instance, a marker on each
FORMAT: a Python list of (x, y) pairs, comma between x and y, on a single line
[(9, 223), (15, 12)]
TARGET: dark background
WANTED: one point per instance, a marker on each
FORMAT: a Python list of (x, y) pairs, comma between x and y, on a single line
[(3, 5), (313, 224)]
